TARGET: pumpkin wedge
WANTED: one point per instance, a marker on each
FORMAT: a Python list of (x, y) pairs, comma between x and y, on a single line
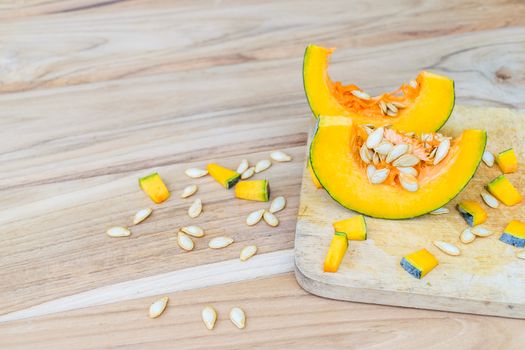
[(402, 181), (423, 105)]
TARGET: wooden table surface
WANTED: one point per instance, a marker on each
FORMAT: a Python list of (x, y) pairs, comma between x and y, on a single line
[(96, 93)]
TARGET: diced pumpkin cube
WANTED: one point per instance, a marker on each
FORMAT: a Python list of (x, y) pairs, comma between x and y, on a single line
[(507, 161), (504, 191), (419, 263), (154, 187), (253, 190), (354, 228), (514, 234), (226, 177), (336, 252), (316, 182), (472, 212)]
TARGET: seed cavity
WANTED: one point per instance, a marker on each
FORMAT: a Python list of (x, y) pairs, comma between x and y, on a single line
[(277, 205), (440, 211), (248, 173), (188, 191), (247, 252), (209, 317), (408, 182), (243, 166), (280, 156), (195, 173), (442, 151), (360, 94), (481, 231), (396, 152), (195, 209), (262, 165), (270, 219), (375, 138), (193, 230), (467, 236), (118, 231), (447, 248), (406, 160), (254, 217), (489, 199), (220, 242), (380, 176), (488, 158), (141, 215), (238, 317), (157, 307), (184, 241)]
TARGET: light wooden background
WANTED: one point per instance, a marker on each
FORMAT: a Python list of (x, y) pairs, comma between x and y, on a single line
[(94, 94)]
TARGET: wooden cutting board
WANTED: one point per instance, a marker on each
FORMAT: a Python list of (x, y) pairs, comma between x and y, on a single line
[(487, 278)]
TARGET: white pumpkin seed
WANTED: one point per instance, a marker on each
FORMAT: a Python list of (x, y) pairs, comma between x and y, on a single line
[(489, 199), (184, 241), (481, 231), (277, 205), (195, 172), (247, 252), (426, 137), (254, 217), (384, 147), (220, 242), (370, 170), (442, 151), (391, 107), (360, 94), (375, 138), (243, 166), (188, 191), (408, 182), (408, 170), (195, 209), (391, 113), (379, 176), (440, 211), (262, 165), (410, 133), (432, 153), (413, 84), (248, 173), (382, 107), (365, 154), (488, 158), (270, 219), (467, 236), (118, 231), (280, 156), (406, 160), (375, 159), (399, 105), (141, 215), (193, 230), (396, 152), (521, 254), (157, 307), (368, 128), (238, 317), (209, 317), (447, 248)]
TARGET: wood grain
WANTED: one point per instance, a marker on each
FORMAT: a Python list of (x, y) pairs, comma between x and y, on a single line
[(96, 93)]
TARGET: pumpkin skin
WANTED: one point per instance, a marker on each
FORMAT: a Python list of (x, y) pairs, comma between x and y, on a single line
[(428, 112), (341, 173)]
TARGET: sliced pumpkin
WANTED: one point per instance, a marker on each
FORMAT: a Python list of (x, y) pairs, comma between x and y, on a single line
[(423, 105), (507, 161), (514, 234), (419, 263), (335, 155), (336, 252), (472, 212), (253, 190), (226, 177), (154, 187), (504, 191), (354, 228)]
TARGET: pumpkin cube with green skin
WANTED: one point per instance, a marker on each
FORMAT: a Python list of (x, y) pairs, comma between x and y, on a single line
[(154, 187), (472, 212), (354, 228), (504, 191), (419, 263), (507, 161), (253, 190), (224, 176), (336, 252), (514, 234)]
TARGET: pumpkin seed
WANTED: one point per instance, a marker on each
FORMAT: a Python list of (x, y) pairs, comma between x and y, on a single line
[(408, 182), (391, 113), (157, 307), (368, 128), (488, 158), (380, 176), (243, 166), (398, 104), (370, 170), (247, 252), (440, 211), (489, 199), (220, 242), (189, 191), (442, 151), (360, 94), (238, 317), (384, 147), (195, 209), (396, 152), (447, 248), (481, 231), (209, 317), (521, 254), (391, 107), (375, 138), (382, 107), (406, 160), (426, 137), (364, 153), (262, 165), (408, 170), (280, 156), (410, 134), (195, 172), (432, 153), (141, 215), (248, 173), (467, 236), (184, 241), (270, 219), (375, 159), (277, 205), (193, 230), (413, 84), (118, 231), (254, 217)]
